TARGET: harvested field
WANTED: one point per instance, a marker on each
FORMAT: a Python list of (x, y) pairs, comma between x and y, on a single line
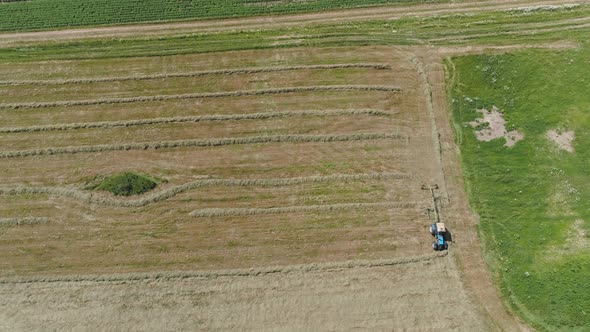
[(236, 159), (373, 297), (303, 175)]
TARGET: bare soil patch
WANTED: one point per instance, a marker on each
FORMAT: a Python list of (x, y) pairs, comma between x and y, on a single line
[(563, 139), (493, 126)]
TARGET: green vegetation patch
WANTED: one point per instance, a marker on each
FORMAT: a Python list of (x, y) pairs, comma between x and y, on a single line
[(51, 14), (124, 184), (533, 198)]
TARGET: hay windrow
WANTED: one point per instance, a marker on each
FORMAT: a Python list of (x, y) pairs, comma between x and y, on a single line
[(239, 71), (222, 212), (201, 118), (200, 143), (253, 272), (91, 198), (239, 93), (23, 221)]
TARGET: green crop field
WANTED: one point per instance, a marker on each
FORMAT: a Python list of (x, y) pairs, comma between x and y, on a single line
[(533, 198), (51, 14)]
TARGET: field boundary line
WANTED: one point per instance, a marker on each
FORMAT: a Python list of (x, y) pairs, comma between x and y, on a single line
[(23, 221), (238, 93), (197, 118), (92, 198), (236, 71), (223, 212), (201, 143), (252, 272)]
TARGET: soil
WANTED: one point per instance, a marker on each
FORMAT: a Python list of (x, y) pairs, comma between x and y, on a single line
[(493, 126), (563, 139)]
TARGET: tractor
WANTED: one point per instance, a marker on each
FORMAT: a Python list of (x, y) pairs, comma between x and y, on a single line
[(437, 229)]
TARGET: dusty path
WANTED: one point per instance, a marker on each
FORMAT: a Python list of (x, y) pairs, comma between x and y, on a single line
[(266, 22)]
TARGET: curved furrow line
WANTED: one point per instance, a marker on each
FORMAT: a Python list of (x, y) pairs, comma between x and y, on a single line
[(91, 198), (198, 118), (238, 93), (239, 71)]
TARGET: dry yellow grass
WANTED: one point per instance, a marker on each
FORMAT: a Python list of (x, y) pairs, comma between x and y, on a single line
[(339, 229)]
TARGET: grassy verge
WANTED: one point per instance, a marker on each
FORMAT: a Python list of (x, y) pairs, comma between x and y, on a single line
[(533, 198), (51, 14), (501, 27)]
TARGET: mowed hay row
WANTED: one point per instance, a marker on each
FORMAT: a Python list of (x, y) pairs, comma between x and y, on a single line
[(327, 100), (184, 242), (66, 69), (193, 85), (23, 221), (222, 212), (335, 125), (92, 198), (239, 93), (231, 161), (199, 118), (238, 71), (252, 272), (203, 143)]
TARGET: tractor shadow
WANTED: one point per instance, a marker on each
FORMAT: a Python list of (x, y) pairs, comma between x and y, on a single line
[(448, 236)]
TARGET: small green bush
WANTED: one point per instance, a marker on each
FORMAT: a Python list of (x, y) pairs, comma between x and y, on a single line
[(127, 184)]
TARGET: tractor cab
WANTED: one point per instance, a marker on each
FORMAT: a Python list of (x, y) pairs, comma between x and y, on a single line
[(438, 230)]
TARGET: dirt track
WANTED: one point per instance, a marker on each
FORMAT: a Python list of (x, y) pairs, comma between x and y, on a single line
[(267, 22)]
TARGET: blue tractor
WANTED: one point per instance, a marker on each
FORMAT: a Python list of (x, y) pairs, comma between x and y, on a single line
[(439, 231)]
